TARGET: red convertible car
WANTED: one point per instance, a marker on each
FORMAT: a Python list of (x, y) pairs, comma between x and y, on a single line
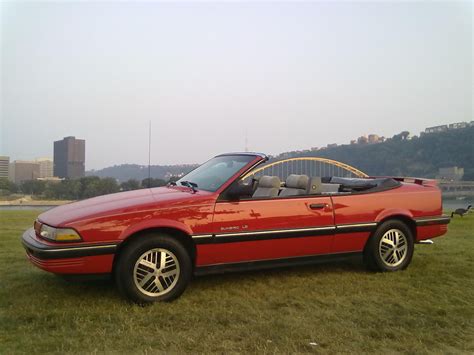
[(216, 219)]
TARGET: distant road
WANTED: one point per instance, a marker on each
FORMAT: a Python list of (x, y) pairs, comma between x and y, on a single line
[(28, 201), (457, 189)]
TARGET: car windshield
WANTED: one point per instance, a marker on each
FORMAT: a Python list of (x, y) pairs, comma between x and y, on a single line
[(211, 175)]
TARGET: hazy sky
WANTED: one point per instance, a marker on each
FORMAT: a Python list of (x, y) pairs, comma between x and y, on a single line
[(294, 75)]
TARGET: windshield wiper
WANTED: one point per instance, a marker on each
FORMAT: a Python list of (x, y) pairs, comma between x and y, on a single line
[(193, 186)]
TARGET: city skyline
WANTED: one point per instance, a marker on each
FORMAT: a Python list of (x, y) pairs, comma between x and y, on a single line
[(297, 75), (370, 138)]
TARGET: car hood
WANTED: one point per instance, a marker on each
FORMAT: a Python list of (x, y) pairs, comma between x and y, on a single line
[(120, 203)]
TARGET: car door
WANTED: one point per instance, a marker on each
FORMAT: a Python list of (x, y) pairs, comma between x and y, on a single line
[(272, 228)]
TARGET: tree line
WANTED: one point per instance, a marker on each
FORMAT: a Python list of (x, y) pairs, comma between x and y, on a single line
[(421, 156), (125, 172), (399, 156), (77, 189)]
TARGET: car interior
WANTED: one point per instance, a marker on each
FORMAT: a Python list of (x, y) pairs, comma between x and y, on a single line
[(295, 185)]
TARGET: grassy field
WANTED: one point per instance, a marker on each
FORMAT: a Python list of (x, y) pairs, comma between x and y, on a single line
[(330, 308)]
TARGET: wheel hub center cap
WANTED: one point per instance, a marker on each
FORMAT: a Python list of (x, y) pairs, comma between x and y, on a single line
[(149, 275), (393, 247)]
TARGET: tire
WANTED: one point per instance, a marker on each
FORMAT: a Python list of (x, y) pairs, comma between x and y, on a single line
[(141, 276), (390, 248)]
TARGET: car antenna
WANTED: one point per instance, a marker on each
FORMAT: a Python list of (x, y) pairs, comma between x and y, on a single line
[(246, 141), (149, 154)]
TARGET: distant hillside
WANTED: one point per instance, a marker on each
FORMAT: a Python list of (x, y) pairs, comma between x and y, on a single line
[(125, 172), (420, 156)]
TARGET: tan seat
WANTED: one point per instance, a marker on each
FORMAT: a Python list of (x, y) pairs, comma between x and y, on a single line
[(268, 186), (295, 185)]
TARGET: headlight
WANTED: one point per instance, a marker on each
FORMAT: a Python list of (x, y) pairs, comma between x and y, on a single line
[(59, 234)]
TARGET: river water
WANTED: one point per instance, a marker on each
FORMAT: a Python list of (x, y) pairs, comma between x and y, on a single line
[(451, 204)]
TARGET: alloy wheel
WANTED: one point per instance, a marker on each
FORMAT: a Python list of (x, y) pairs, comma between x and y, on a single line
[(393, 247), (156, 272)]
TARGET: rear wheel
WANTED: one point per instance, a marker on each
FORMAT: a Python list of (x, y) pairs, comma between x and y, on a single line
[(153, 268), (390, 248)]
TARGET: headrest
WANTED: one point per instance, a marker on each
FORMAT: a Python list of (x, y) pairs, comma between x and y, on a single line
[(294, 181), (314, 186), (269, 181)]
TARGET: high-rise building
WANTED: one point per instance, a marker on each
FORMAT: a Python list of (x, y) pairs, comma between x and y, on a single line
[(69, 158), (46, 167), (4, 167), (23, 170)]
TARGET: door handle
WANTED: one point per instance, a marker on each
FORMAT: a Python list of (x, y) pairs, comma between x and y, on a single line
[(317, 206)]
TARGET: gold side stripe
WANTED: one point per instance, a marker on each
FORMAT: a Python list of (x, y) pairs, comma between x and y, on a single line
[(276, 231), (342, 226), (79, 248), (313, 229), (202, 236)]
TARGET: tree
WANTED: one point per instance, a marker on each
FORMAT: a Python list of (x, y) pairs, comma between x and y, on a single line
[(108, 186), (146, 183), (64, 190), (7, 187), (92, 186), (131, 184), (174, 178), (33, 187), (405, 135), (89, 186), (401, 136)]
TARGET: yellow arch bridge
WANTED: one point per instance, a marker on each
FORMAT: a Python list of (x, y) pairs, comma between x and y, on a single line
[(311, 166)]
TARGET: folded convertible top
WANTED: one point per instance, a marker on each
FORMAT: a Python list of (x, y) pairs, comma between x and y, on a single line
[(358, 184)]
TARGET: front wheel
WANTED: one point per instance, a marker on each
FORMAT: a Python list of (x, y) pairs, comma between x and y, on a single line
[(390, 248), (153, 268)]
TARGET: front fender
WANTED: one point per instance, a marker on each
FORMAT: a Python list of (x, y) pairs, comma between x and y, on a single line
[(155, 223)]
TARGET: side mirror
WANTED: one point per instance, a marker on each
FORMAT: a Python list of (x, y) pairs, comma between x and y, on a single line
[(237, 191)]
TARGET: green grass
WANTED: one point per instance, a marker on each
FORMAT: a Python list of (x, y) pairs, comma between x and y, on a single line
[(341, 307)]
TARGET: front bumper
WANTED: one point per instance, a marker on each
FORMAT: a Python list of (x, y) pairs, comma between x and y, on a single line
[(69, 259)]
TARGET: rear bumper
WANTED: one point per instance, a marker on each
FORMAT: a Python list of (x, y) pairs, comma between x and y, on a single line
[(431, 221), (69, 259), (431, 227)]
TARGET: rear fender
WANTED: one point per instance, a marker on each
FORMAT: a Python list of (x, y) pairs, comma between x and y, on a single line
[(387, 213)]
